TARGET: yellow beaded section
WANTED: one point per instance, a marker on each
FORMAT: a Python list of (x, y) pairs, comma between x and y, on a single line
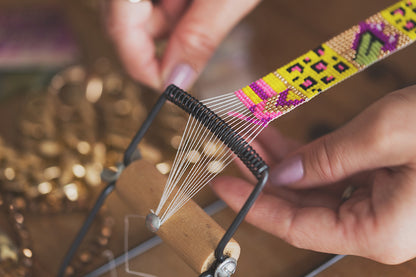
[(252, 95), (317, 71), (275, 83), (332, 62), (402, 15)]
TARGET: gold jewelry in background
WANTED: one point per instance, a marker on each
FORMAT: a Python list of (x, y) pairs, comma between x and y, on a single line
[(81, 124)]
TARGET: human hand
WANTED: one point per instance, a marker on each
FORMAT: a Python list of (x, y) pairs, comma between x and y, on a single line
[(194, 30), (302, 204)]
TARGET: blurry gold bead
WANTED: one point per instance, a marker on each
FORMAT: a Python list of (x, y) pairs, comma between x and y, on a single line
[(215, 166), (122, 107), (103, 241), (19, 203), (71, 191), (76, 73), (93, 174), (211, 149), (51, 172), (150, 153), (18, 217), (9, 173), (78, 170), (83, 147), (163, 168), (57, 82), (45, 188), (49, 148), (175, 141), (94, 89), (106, 232), (193, 156), (100, 153), (27, 252), (85, 257), (113, 82), (69, 271)]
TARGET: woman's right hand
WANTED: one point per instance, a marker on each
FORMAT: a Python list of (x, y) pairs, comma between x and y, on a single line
[(193, 30)]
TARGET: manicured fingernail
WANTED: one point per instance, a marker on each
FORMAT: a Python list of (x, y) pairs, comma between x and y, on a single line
[(287, 172), (182, 75)]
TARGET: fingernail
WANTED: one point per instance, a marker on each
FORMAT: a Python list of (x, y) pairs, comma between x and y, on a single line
[(182, 75), (287, 172)]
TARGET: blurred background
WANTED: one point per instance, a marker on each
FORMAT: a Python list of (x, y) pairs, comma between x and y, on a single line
[(67, 110)]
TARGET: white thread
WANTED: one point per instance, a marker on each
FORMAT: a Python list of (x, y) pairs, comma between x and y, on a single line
[(189, 175)]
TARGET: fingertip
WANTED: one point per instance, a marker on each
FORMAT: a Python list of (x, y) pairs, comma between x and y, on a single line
[(182, 76), (197, 35), (126, 26), (288, 172), (144, 68), (147, 75)]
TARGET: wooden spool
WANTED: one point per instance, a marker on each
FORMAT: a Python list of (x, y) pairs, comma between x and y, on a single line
[(192, 233)]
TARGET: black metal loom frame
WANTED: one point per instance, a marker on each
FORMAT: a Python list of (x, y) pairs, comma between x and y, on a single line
[(217, 126)]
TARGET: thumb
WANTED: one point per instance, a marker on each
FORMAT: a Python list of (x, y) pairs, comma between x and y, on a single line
[(379, 137), (197, 35)]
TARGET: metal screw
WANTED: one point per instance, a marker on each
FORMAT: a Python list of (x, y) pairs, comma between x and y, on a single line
[(226, 268), (153, 222), (109, 175)]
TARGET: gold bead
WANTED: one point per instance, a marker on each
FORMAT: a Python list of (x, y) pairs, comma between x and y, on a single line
[(85, 257), (27, 252)]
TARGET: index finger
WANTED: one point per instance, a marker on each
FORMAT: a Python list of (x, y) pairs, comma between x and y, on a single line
[(127, 26)]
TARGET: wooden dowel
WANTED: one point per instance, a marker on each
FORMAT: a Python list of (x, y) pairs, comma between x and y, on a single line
[(192, 233)]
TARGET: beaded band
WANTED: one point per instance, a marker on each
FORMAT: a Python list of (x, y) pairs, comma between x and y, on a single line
[(330, 63)]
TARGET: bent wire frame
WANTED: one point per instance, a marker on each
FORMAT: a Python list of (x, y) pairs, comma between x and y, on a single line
[(280, 92), (217, 126)]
